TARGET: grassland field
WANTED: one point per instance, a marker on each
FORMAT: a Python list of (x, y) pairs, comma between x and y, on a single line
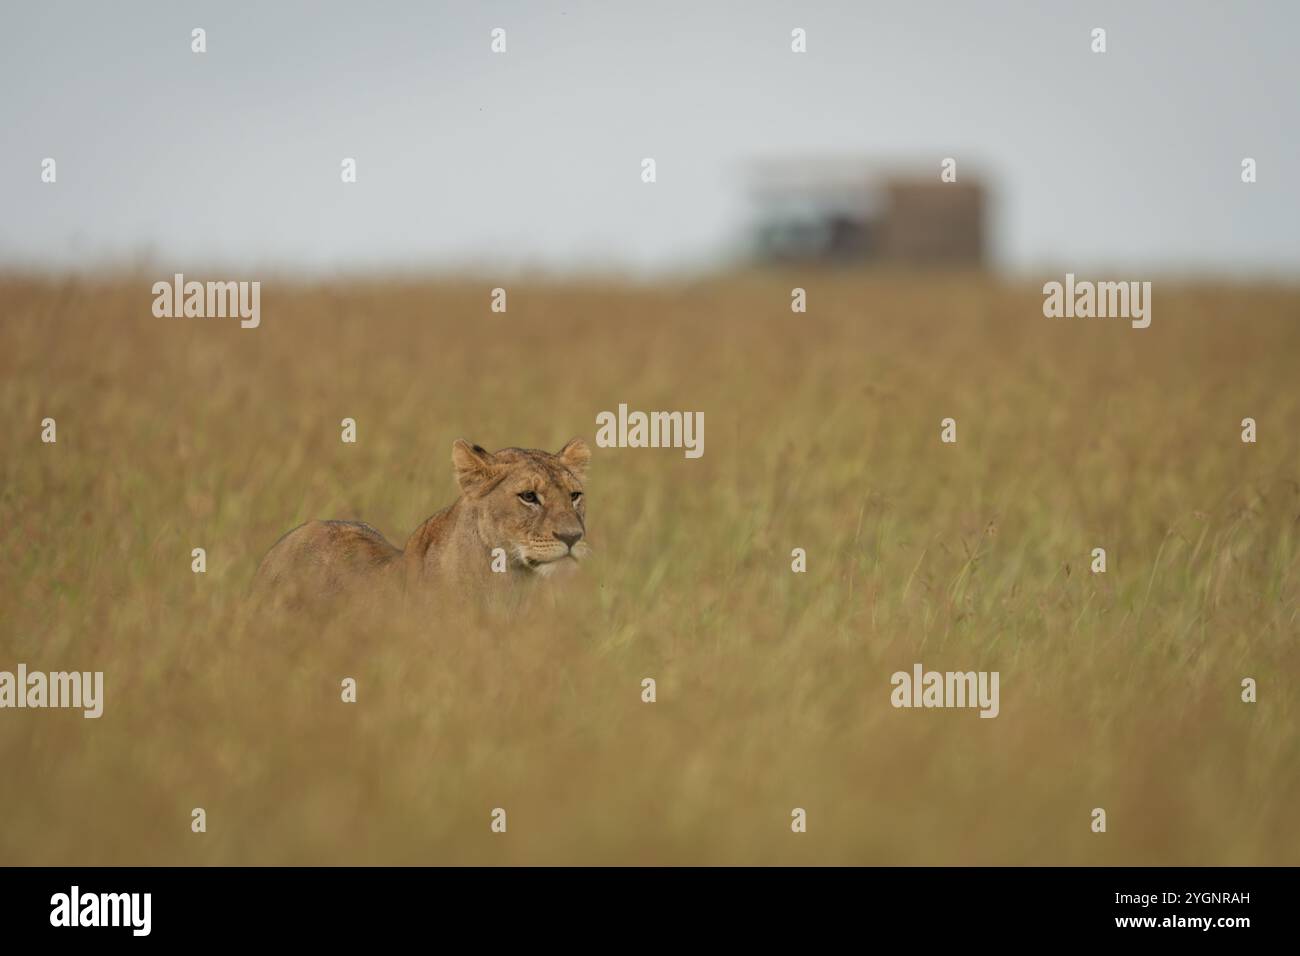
[(1119, 690)]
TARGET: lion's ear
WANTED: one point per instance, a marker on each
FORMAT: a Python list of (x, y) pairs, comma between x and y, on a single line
[(472, 463), (575, 455)]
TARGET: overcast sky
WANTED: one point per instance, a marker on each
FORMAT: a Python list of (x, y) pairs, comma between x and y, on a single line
[(1128, 160)]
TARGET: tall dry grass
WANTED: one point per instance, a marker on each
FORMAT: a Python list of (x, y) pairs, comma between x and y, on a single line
[(1119, 690)]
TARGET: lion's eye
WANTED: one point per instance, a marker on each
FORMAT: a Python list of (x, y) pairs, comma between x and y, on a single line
[(528, 497), (575, 496)]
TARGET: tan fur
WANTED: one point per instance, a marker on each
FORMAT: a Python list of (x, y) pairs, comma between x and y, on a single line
[(453, 549)]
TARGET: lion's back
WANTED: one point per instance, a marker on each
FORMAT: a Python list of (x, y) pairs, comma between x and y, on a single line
[(326, 557)]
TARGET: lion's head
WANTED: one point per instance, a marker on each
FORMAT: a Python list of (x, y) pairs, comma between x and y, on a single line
[(528, 502)]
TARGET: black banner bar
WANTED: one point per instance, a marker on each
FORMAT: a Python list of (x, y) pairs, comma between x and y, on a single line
[(331, 906)]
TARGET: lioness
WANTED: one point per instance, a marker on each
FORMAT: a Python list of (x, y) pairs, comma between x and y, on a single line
[(526, 502)]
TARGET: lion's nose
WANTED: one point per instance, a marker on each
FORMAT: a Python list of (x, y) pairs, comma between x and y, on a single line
[(569, 537)]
